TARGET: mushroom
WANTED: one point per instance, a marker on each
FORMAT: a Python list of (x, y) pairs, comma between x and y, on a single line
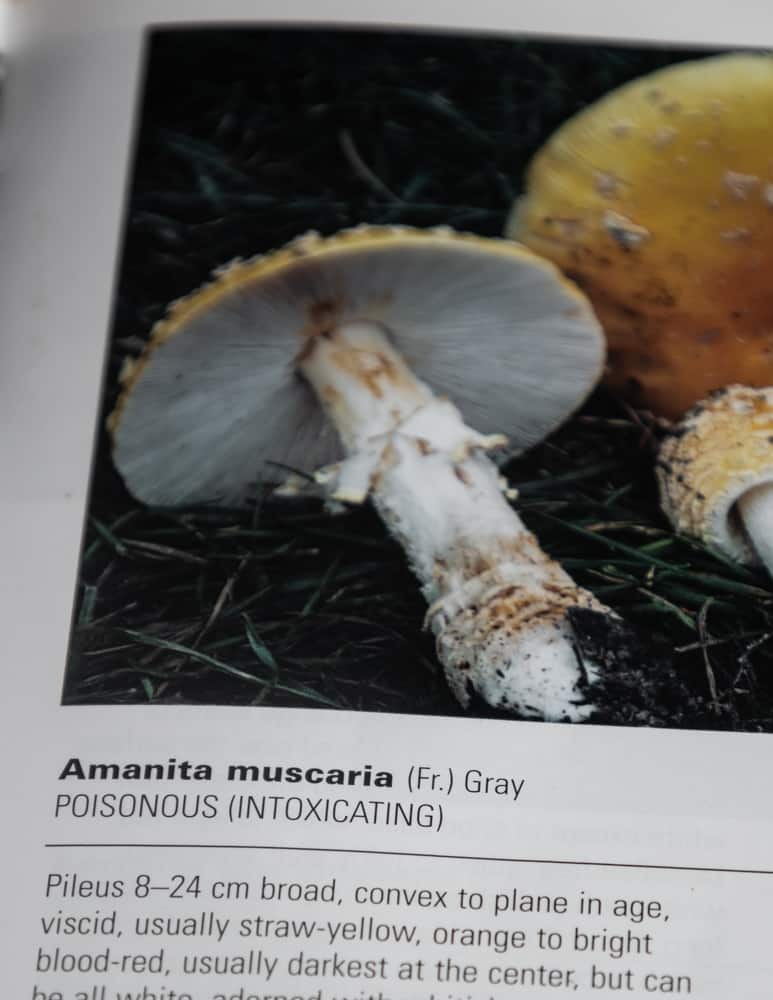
[(379, 326), (658, 201), (716, 473)]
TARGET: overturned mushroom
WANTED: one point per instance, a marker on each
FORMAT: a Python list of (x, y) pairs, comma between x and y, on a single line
[(380, 326), (658, 201)]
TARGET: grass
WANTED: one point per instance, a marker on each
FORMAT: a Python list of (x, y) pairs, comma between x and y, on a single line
[(282, 604)]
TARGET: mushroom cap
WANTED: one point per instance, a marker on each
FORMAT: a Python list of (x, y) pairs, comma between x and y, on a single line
[(216, 393), (719, 451), (658, 201)]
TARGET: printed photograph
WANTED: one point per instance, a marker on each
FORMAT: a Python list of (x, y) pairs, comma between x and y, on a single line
[(438, 381)]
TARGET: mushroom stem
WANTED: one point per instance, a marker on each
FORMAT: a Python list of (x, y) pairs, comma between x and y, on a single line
[(755, 507), (498, 604)]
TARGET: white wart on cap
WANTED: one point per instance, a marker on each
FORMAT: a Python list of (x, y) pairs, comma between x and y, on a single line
[(216, 394)]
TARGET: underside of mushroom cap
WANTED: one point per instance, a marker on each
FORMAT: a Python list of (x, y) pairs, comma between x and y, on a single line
[(217, 395), (658, 201), (720, 451)]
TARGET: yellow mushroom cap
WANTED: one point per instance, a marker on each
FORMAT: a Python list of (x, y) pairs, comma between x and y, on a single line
[(721, 450), (658, 201)]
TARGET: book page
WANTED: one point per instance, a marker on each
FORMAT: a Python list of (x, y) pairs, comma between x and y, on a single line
[(387, 611)]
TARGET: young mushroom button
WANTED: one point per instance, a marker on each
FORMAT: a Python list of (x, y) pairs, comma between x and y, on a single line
[(716, 473), (658, 201), (383, 327)]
